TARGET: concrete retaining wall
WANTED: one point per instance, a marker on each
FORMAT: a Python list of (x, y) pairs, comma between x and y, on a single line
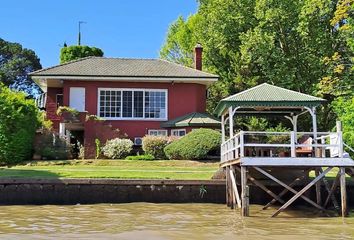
[(90, 191), (86, 191)]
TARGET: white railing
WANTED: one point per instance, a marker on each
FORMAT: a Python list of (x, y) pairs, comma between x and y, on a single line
[(282, 144), (40, 101)]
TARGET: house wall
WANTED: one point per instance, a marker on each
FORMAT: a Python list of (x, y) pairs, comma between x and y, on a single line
[(183, 98), (51, 106)]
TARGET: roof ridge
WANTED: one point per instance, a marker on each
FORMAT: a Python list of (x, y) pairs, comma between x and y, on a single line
[(63, 64), (181, 65)]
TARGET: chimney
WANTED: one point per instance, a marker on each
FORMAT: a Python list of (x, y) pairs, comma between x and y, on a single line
[(198, 52)]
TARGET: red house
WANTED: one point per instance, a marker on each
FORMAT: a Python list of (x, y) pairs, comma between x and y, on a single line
[(137, 96)]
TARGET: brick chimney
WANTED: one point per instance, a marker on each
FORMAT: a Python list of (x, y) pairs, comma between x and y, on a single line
[(198, 56)]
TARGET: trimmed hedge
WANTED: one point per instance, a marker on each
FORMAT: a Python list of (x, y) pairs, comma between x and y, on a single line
[(195, 145), (154, 145), (19, 119)]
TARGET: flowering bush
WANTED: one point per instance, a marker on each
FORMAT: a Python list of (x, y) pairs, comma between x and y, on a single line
[(117, 148), (154, 145)]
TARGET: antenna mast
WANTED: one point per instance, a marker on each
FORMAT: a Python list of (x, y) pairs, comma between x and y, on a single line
[(79, 37)]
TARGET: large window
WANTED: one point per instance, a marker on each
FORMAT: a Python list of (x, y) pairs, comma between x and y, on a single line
[(132, 103)]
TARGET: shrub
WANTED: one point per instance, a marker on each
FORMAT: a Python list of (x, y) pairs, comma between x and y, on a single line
[(19, 119), (51, 146), (117, 148), (98, 148), (140, 157), (154, 145), (195, 145)]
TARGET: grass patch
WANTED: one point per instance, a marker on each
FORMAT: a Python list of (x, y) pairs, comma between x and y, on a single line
[(120, 169)]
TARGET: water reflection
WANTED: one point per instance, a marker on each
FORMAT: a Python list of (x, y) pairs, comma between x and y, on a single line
[(164, 221)]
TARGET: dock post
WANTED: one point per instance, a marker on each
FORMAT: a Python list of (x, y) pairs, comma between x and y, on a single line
[(227, 186), (244, 193), (318, 188), (343, 192)]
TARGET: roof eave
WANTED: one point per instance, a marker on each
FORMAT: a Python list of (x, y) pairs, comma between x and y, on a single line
[(222, 105)]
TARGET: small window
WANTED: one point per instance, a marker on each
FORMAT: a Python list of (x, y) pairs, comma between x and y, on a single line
[(178, 132), (153, 132), (59, 100)]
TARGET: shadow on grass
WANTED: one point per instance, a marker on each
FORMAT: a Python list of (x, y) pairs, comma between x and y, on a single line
[(9, 173)]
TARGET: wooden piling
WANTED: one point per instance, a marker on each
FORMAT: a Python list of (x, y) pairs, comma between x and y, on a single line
[(343, 192), (244, 193), (318, 188)]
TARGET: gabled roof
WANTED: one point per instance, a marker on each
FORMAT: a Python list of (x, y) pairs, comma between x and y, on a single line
[(194, 119), (122, 67), (266, 95)]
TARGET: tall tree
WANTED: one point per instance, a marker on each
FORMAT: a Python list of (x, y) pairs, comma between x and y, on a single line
[(248, 42), (75, 52), (15, 64)]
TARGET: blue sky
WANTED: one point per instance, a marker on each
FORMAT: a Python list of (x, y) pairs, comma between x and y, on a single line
[(121, 28)]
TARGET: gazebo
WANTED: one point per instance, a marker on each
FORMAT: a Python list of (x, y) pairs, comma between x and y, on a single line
[(325, 149)]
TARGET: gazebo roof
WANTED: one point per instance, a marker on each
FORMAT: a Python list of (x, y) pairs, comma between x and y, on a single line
[(268, 96), (194, 119)]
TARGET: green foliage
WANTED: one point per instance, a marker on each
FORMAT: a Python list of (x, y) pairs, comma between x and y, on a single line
[(70, 110), (93, 117), (45, 123), (19, 119), (98, 148), (15, 64), (51, 146), (146, 157), (76, 52), (278, 138), (256, 124), (345, 112), (154, 145), (117, 148), (283, 42), (195, 145)]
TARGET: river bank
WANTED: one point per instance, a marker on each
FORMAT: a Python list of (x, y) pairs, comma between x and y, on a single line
[(94, 191)]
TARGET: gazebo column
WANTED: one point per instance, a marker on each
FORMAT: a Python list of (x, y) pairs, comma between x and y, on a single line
[(222, 128), (293, 121), (312, 111), (231, 122)]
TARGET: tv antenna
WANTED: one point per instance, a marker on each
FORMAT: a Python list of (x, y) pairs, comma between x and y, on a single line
[(79, 37)]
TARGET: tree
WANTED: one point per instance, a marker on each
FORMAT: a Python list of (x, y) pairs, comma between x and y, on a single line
[(15, 64), (19, 119), (248, 42), (75, 52), (345, 112)]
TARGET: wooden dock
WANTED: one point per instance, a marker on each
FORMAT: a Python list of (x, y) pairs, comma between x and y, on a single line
[(247, 151), (280, 156)]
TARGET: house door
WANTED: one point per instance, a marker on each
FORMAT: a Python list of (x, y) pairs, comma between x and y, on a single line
[(77, 98)]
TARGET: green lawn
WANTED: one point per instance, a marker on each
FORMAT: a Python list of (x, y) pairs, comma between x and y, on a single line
[(123, 169)]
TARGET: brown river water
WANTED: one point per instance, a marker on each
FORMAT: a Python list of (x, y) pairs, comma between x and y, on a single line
[(165, 221)]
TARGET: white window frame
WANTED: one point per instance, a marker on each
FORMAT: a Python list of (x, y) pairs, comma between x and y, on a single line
[(165, 133), (132, 90), (178, 130)]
